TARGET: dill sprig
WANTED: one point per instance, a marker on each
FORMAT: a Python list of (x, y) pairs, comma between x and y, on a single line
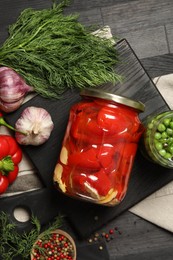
[(15, 245), (54, 52)]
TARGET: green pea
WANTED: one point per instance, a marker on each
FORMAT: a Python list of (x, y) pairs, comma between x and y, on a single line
[(167, 156), (169, 131), (171, 125), (166, 121), (150, 126), (162, 152), (164, 135), (158, 146), (171, 149), (157, 135), (161, 128)]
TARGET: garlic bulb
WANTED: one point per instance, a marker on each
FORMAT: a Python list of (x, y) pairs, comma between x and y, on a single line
[(36, 122), (13, 89)]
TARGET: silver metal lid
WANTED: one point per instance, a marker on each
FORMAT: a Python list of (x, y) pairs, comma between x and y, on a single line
[(116, 98)]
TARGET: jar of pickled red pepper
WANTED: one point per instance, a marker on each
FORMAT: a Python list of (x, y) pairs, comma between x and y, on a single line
[(157, 140), (99, 147)]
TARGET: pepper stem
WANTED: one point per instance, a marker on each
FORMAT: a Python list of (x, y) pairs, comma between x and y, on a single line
[(4, 123), (6, 165)]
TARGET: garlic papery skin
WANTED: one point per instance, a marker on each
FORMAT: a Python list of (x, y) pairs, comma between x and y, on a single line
[(37, 123), (10, 107), (13, 89)]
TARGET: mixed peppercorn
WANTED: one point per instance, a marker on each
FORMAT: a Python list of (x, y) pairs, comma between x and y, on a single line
[(56, 247), (106, 236)]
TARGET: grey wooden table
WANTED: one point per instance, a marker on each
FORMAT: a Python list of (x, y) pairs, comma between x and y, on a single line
[(148, 27)]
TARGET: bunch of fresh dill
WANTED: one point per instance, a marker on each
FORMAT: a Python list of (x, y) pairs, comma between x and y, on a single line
[(54, 52), (18, 246)]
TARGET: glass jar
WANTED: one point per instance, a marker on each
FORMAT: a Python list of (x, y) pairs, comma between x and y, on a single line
[(99, 147), (157, 140)]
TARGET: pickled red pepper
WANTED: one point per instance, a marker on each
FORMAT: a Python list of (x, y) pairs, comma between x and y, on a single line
[(98, 151)]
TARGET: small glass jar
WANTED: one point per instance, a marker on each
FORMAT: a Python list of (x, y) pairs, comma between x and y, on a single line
[(157, 140), (99, 147)]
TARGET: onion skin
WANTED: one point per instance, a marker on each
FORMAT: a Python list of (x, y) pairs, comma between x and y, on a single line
[(13, 89), (37, 125)]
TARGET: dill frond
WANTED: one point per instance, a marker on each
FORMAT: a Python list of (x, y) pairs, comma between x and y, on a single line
[(13, 244), (54, 52)]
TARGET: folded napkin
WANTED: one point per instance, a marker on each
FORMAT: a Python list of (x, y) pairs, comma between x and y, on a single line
[(157, 208)]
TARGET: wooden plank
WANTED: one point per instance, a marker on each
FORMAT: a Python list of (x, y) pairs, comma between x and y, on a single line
[(158, 65), (81, 5), (138, 239), (91, 17), (139, 14), (147, 42), (10, 10), (143, 24), (169, 35)]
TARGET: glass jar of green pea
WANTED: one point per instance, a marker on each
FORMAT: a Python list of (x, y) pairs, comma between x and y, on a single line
[(157, 140)]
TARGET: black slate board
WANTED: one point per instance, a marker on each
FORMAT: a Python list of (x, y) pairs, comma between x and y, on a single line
[(145, 178)]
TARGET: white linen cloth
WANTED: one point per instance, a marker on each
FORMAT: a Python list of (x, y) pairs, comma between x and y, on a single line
[(158, 207)]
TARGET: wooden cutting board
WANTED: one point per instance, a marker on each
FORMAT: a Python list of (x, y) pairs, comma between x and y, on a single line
[(146, 177)]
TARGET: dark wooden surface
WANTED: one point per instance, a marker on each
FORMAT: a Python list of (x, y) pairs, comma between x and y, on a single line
[(148, 26)]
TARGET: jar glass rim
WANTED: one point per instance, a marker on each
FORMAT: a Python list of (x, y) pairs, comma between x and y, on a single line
[(113, 97)]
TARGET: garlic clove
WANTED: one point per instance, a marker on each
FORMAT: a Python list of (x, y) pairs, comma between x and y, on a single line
[(37, 123), (10, 107), (109, 197), (57, 177), (13, 89), (64, 155)]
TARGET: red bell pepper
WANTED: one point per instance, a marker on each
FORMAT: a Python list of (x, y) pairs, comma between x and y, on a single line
[(98, 180), (85, 159), (113, 121), (10, 157), (106, 154), (101, 182), (102, 125)]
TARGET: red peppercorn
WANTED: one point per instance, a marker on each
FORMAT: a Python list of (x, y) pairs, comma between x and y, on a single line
[(106, 235), (45, 245), (66, 244), (111, 231)]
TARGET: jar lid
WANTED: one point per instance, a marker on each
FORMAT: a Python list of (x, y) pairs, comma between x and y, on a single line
[(116, 98)]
